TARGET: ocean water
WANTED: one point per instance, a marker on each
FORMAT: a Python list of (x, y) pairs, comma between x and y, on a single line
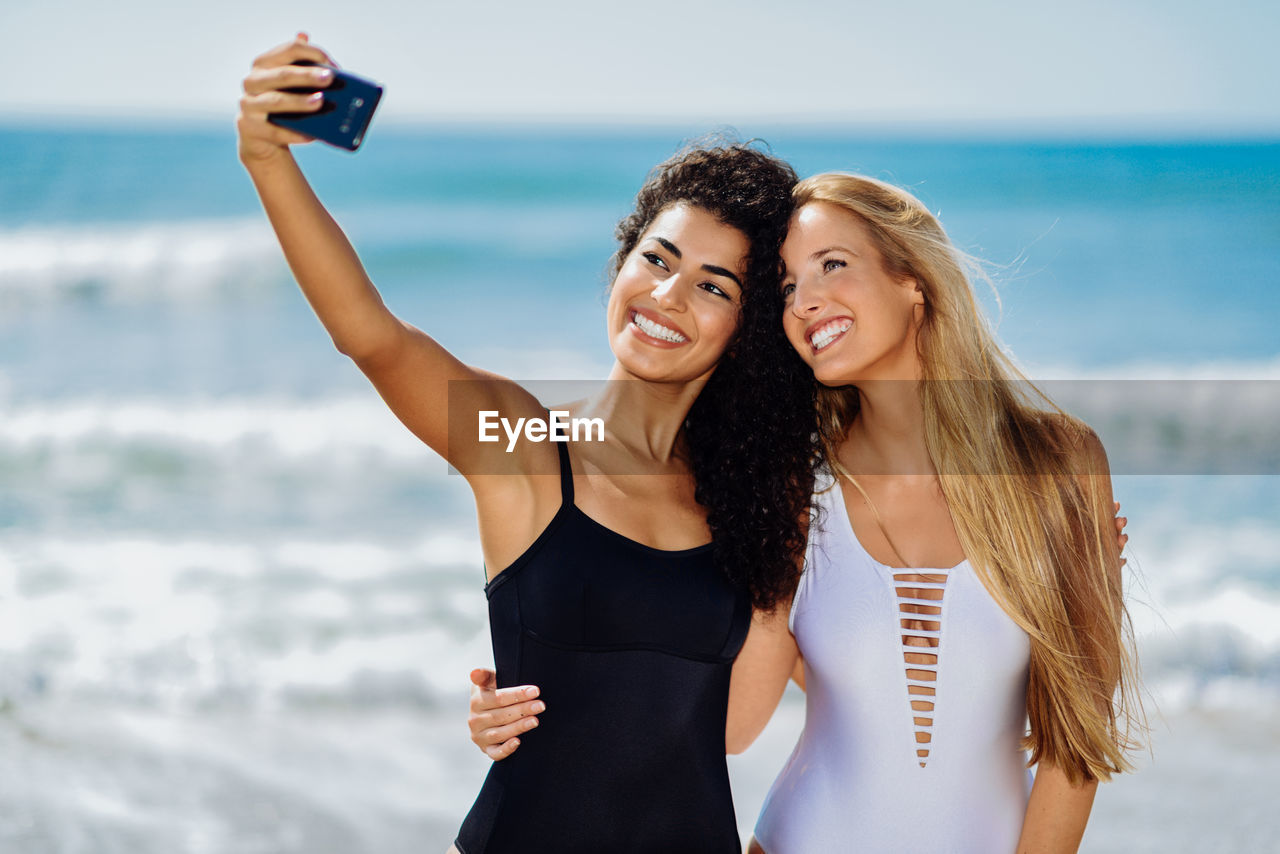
[(238, 602)]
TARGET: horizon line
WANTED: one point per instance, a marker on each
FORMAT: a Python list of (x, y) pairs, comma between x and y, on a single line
[(1101, 130)]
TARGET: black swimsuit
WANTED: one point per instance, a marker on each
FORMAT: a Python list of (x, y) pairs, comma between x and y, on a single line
[(632, 648)]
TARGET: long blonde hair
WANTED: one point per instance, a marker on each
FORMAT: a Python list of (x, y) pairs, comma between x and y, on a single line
[(1024, 483)]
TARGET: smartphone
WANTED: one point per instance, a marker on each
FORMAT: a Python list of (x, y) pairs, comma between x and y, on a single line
[(343, 117)]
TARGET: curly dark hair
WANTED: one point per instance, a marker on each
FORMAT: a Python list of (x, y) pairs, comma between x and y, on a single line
[(751, 434)]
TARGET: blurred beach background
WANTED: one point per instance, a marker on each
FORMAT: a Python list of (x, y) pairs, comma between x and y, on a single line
[(239, 602)]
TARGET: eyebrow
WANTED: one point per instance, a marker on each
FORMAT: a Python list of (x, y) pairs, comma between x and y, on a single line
[(786, 271), (815, 256), (710, 268), (721, 271)]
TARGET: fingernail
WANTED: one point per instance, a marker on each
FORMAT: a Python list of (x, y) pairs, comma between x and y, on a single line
[(539, 707), (324, 74), (533, 722), (531, 691), (515, 742), (315, 96)]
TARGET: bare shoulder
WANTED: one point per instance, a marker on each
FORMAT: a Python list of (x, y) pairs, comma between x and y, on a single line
[(496, 419), (503, 392)]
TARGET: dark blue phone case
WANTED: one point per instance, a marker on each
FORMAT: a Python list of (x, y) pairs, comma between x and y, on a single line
[(343, 118)]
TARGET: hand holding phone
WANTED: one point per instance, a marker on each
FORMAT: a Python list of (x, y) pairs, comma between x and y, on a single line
[(344, 115)]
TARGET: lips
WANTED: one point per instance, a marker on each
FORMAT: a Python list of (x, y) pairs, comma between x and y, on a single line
[(653, 326), (823, 334)]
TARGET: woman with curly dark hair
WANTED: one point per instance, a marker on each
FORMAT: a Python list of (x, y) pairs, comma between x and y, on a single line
[(627, 598)]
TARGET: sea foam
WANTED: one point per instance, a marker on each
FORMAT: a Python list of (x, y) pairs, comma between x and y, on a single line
[(172, 260)]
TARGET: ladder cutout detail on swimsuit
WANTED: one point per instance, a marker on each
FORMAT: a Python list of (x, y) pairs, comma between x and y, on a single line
[(920, 603)]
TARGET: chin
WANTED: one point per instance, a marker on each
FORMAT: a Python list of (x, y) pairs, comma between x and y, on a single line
[(834, 381), (655, 365), (648, 369), (836, 375)]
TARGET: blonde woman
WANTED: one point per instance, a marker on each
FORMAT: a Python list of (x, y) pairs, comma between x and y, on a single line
[(963, 575)]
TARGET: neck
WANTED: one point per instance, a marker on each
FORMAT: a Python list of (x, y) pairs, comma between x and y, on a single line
[(646, 418), (888, 435)]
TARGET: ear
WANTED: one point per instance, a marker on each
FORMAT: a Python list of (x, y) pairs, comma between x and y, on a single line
[(916, 292)]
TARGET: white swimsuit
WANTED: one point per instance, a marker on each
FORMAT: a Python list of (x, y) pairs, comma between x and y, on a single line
[(855, 781)]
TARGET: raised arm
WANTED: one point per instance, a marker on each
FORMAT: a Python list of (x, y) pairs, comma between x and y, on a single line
[(410, 370)]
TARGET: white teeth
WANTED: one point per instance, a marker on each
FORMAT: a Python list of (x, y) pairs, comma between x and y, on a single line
[(829, 333), (655, 330)]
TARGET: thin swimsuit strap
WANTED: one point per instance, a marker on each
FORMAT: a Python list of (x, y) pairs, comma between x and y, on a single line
[(566, 476)]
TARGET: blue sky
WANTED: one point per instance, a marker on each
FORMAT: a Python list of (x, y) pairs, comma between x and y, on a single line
[(1174, 65)]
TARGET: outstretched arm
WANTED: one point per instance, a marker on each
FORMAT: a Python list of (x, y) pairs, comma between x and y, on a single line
[(409, 369), (322, 260)]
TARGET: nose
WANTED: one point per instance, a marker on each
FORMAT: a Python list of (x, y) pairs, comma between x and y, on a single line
[(668, 293), (807, 299)]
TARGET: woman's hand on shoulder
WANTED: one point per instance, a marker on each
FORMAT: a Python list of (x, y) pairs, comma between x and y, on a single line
[(500, 715), (271, 73)]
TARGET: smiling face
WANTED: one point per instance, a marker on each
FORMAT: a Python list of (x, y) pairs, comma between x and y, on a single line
[(847, 317), (674, 305)]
